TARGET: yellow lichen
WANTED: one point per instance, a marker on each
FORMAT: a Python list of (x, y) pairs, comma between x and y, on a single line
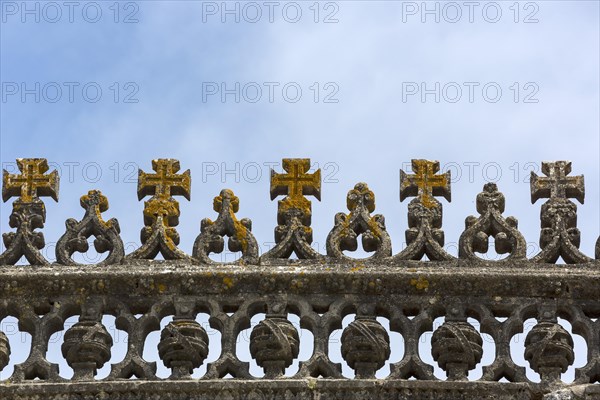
[(420, 283)]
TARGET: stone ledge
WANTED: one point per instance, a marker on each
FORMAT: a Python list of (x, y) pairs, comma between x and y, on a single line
[(286, 389)]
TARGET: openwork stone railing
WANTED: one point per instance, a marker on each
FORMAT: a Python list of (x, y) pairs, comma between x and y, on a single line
[(321, 289)]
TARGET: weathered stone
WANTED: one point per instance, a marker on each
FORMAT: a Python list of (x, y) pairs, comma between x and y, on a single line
[(365, 346), (274, 343), (105, 232), (491, 223), (161, 212), (361, 203), (239, 232), (559, 236), (457, 347), (183, 346), (86, 348), (549, 350), (4, 351)]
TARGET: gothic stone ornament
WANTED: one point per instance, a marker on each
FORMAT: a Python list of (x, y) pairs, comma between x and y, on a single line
[(183, 346), (559, 236), (424, 236), (105, 232), (239, 232), (86, 348), (365, 346), (28, 211), (457, 347), (507, 238), (4, 351), (361, 203), (161, 212), (549, 350), (293, 233), (598, 249), (274, 343)]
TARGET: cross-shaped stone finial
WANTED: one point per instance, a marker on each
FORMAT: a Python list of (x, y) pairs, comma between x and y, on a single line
[(296, 184), (557, 185), (31, 183), (166, 182), (425, 184)]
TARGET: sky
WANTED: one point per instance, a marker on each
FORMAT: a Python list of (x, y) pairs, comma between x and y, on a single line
[(490, 89)]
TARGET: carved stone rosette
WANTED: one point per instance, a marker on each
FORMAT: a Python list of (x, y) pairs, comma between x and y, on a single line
[(491, 223), (105, 232), (239, 232), (274, 344), (365, 346), (359, 222), (457, 347), (549, 350), (4, 351), (183, 346), (86, 348)]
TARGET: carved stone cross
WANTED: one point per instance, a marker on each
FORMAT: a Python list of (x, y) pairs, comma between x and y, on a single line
[(425, 184), (296, 184), (557, 185), (166, 182), (31, 183)]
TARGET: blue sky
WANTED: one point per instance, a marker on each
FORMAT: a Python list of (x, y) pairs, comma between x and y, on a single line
[(366, 58)]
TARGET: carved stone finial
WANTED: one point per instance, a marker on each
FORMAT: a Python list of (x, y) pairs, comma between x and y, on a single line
[(425, 184), (549, 350), (161, 212), (343, 236), (29, 212), (559, 236), (4, 351), (86, 348), (293, 233), (183, 346), (424, 236), (238, 231), (457, 347), (106, 232), (32, 183), (274, 343), (598, 249), (507, 238)]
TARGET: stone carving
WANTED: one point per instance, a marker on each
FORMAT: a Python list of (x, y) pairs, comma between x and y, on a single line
[(457, 347), (183, 346), (549, 350), (293, 233), (361, 203), (4, 351), (559, 236), (365, 346), (274, 343), (239, 232), (29, 212), (161, 212), (424, 236), (105, 232), (598, 249), (491, 223), (86, 348)]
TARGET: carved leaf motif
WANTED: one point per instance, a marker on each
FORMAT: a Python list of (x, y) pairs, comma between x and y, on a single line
[(92, 224), (239, 232), (359, 222), (491, 223)]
